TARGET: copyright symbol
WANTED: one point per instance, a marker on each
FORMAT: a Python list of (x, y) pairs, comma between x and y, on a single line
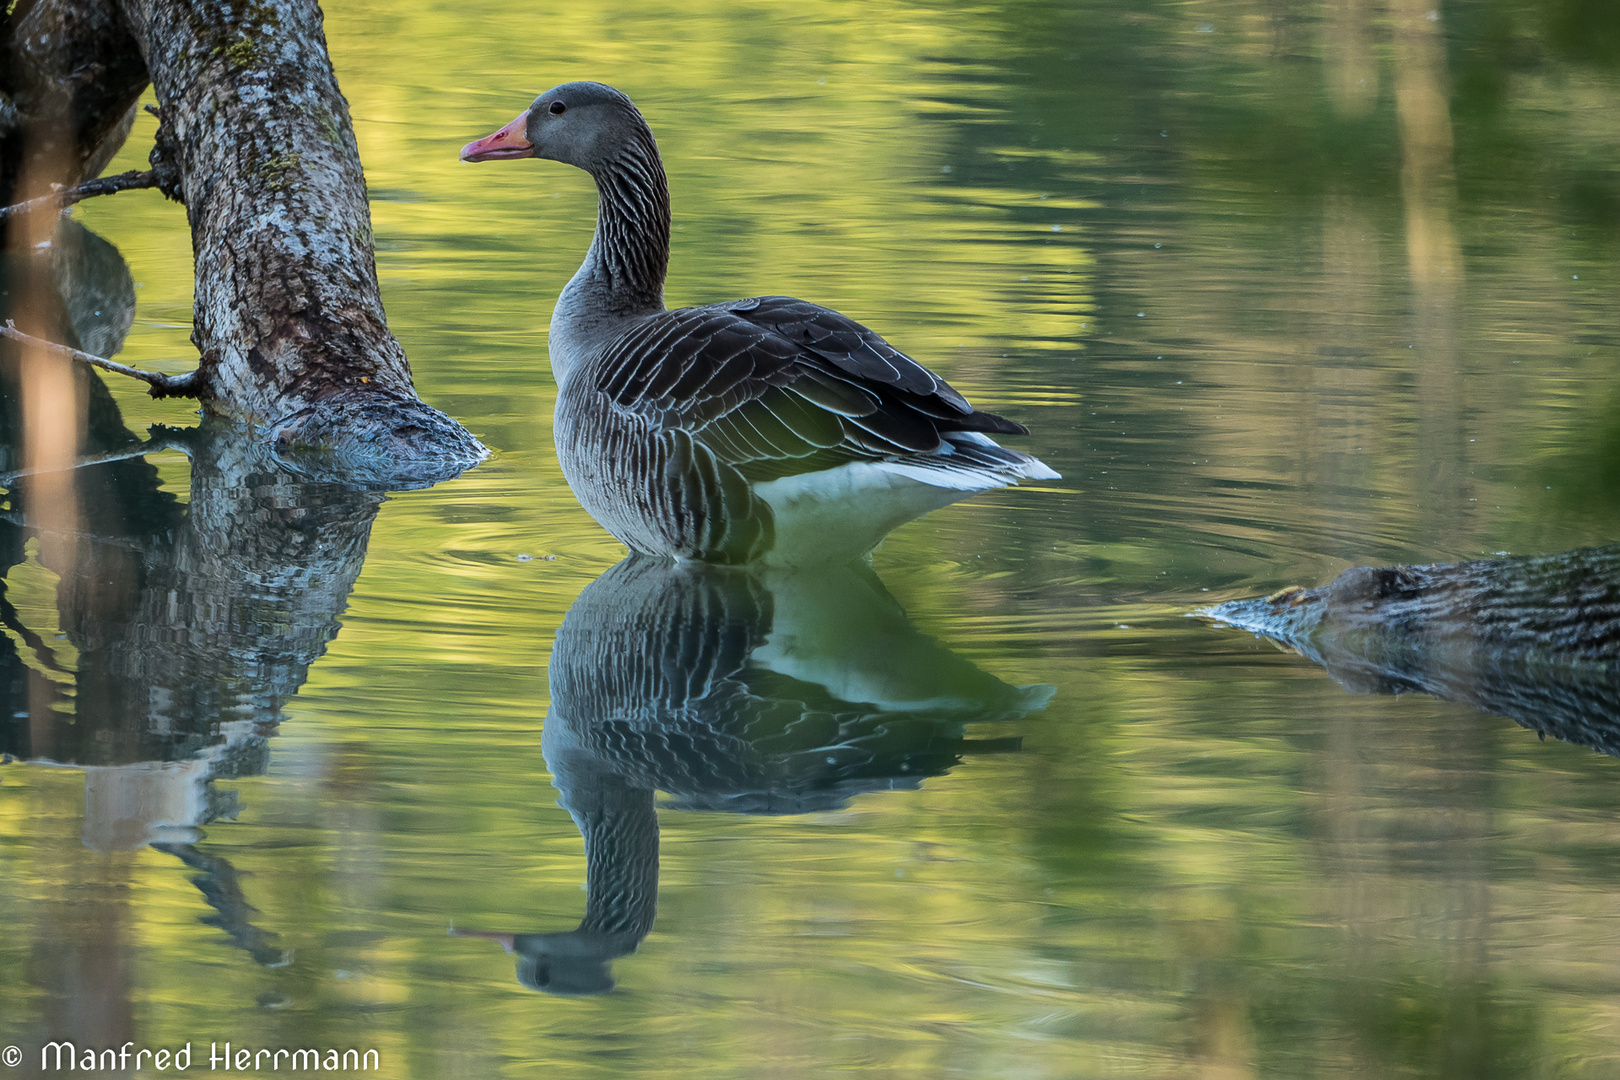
[(12, 1056)]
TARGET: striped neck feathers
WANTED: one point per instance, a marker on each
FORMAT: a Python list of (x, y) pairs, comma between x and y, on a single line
[(629, 254)]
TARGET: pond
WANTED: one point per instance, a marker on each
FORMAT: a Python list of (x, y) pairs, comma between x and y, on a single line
[(1278, 288)]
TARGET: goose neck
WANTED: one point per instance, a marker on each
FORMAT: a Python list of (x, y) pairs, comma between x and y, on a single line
[(629, 254)]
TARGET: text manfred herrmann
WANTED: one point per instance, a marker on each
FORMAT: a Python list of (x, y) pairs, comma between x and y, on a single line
[(65, 1056)]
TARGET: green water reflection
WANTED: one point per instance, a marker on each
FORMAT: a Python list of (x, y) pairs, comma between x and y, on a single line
[(1278, 289)]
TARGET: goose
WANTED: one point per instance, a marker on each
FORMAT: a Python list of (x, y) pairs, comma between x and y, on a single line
[(769, 428)]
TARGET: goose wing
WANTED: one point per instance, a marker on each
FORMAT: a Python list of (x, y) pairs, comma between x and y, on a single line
[(776, 386)]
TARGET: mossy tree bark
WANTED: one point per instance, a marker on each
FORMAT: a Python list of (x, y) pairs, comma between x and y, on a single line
[(255, 139)]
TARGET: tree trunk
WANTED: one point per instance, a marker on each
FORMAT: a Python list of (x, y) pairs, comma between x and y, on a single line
[(288, 317), (255, 139)]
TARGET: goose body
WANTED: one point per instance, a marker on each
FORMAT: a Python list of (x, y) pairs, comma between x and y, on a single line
[(762, 429)]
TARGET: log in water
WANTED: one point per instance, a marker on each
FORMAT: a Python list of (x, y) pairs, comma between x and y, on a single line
[(1536, 639)]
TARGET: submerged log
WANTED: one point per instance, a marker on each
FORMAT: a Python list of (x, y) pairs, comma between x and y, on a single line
[(255, 139), (1535, 639)]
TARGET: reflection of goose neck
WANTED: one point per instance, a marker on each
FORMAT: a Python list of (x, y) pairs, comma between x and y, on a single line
[(621, 862), (620, 827)]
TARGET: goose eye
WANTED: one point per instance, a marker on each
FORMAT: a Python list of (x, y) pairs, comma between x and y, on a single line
[(557, 108)]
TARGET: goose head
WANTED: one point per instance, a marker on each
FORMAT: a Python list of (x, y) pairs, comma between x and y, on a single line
[(584, 124), (570, 964)]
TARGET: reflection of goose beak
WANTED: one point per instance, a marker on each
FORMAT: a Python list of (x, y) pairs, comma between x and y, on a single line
[(506, 940)]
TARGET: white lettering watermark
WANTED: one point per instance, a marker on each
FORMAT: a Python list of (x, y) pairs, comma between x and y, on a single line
[(64, 1056)]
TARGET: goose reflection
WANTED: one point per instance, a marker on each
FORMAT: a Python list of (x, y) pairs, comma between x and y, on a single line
[(727, 689)]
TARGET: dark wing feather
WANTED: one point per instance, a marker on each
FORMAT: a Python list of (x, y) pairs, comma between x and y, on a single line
[(775, 386), (864, 359)]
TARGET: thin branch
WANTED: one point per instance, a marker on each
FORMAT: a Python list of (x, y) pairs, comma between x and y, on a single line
[(20, 519), (187, 385), (105, 185), (134, 450)]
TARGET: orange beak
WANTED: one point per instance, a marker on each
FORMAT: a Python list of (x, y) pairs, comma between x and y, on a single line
[(509, 142)]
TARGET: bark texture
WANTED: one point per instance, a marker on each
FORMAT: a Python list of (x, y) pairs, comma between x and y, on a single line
[(288, 317), (1535, 639), (255, 139)]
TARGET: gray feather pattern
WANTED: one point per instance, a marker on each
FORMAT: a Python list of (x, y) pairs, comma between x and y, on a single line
[(668, 420)]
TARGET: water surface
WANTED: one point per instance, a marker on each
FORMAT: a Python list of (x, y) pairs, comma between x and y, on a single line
[(1278, 289)]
